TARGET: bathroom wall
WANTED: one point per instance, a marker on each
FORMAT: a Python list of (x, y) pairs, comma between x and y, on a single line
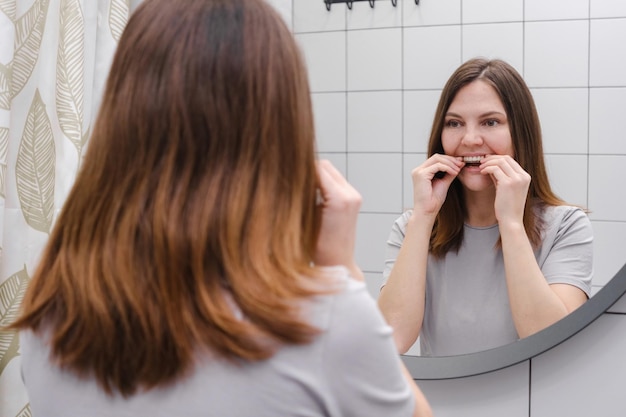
[(376, 74)]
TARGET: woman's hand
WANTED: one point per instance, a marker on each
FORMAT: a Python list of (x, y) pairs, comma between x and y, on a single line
[(340, 208), (511, 182), (431, 182)]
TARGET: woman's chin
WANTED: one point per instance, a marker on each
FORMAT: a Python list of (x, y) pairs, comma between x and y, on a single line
[(475, 181)]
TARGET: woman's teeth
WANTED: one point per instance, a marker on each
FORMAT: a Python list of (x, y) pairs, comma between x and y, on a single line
[(472, 159)]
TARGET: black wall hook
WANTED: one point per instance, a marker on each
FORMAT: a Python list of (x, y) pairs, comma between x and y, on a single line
[(349, 3)]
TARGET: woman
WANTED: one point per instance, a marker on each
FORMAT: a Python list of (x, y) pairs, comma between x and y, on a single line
[(489, 253), (202, 263)]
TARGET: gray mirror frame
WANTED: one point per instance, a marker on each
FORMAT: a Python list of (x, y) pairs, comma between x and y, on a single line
[(451, 367)]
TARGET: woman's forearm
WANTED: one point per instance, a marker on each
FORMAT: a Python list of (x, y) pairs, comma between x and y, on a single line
[(401, 300), (534, 304)]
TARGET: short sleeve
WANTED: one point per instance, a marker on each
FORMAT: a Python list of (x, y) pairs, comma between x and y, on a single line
[(361, 363), (566, 256), (394, 243)]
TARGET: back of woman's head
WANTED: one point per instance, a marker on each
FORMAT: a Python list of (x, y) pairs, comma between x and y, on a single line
[(525, 130), (211, 94), (197, 193)]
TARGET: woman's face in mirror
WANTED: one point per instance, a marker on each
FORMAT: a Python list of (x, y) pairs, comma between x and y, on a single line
[(476, 125)]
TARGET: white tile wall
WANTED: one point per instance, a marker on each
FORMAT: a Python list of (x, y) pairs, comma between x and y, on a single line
[(375, 121), (607, 53), (495, 40), (568, 177), (409, 162), (564, 119), (482, 395), (556, 53), (312, 16), (607, 8), (374, 59), (482, 11), (419, 110), (431, 13), (554, 10), (609, 248), (595, 355), (431, 54), (607, 199), (325, 57), (372, 233), (378, 176), (606, 111), (329, 110)]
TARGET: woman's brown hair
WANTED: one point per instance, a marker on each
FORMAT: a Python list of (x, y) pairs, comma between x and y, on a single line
[(192, 221), (525, 128)]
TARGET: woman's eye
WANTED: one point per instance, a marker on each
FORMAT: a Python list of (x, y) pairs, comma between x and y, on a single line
[(452, 123), (492, 123)]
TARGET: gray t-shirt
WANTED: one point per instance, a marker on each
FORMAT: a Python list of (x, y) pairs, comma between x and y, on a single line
[(467, 305), (351, 369)]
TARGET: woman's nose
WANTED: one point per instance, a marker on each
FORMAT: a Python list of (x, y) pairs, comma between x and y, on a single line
[(471, 137)]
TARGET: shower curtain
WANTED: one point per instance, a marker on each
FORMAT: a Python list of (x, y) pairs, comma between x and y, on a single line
[(54, 58)]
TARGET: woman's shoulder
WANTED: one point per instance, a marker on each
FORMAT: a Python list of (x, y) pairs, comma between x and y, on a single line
[(401, 221), (340, 291), (344, 286), (566, 220), (564, 213)]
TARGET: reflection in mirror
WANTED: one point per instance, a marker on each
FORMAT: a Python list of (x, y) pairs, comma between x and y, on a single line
[(489, 254), (377, 75)]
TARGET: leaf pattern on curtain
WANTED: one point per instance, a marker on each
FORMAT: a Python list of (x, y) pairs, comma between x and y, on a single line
[(28, 35), (118, 15), (5, 87), (34, 168), (8, 8), (25, 412), (11, 294), (4, 148), (70, 72), (45, 51)]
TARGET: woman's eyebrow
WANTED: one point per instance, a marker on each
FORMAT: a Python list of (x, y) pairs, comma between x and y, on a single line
[(486, 114)]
